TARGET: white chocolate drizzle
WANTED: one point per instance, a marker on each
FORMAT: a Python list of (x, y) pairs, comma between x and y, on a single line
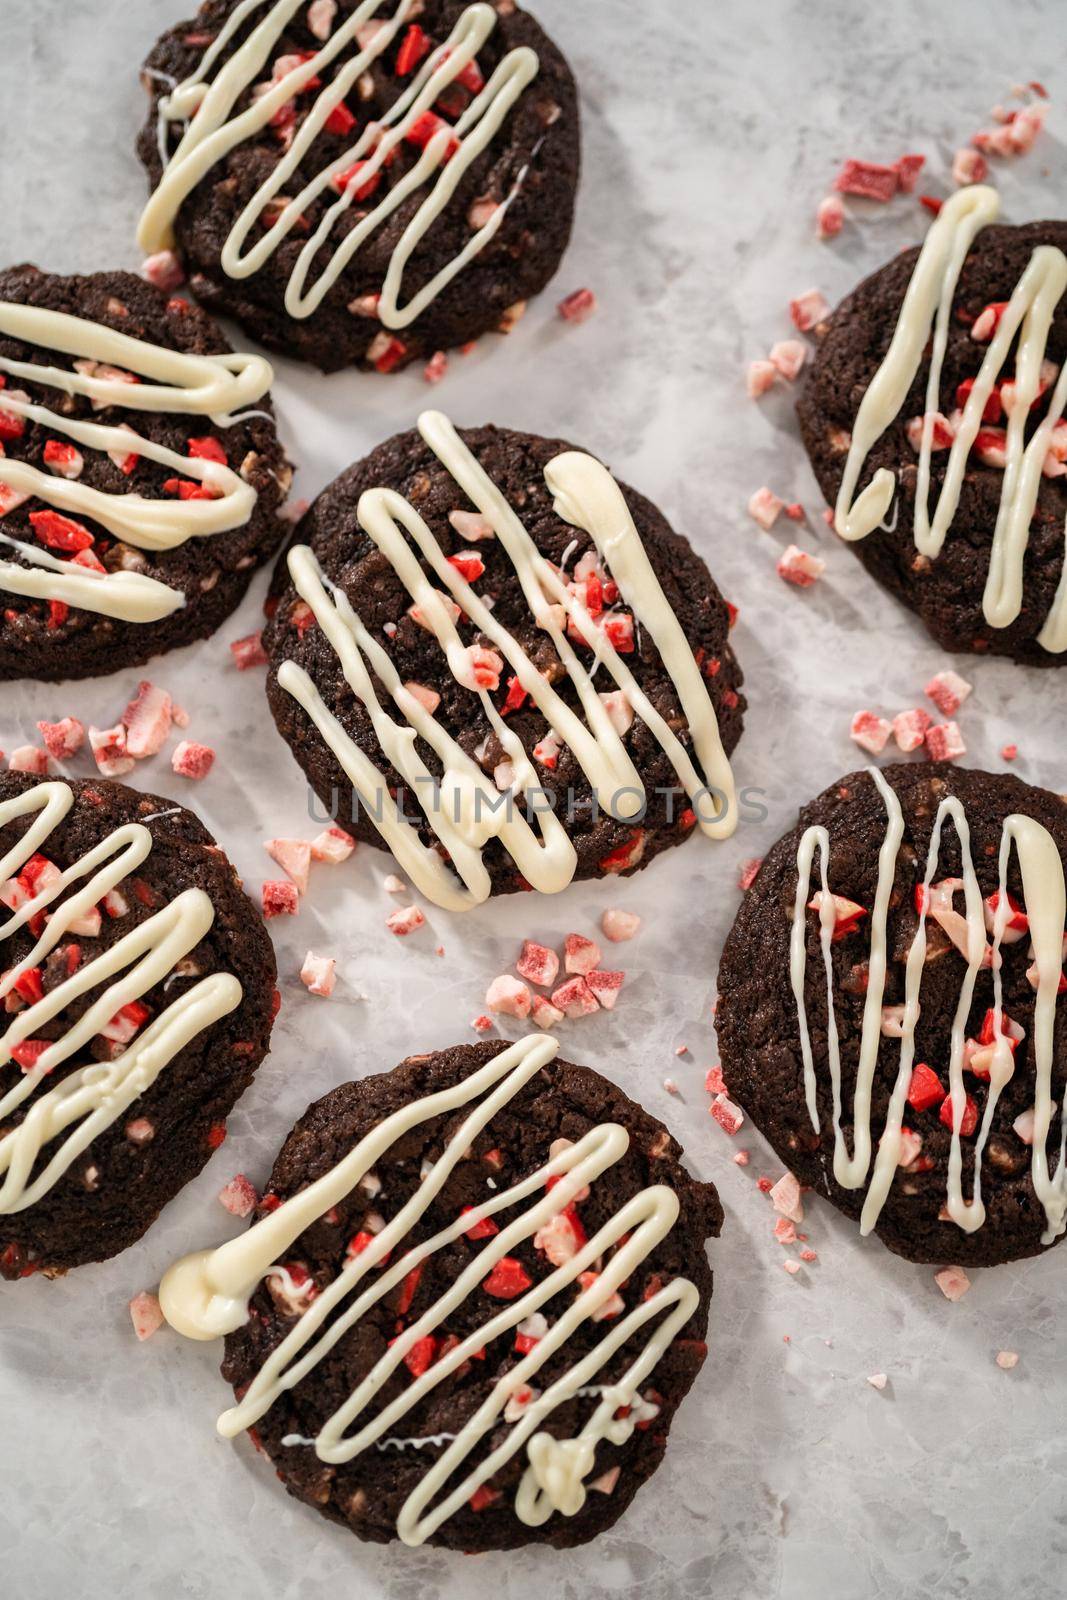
[(208, 1294), (205, 105), (179, 384), (464, 809), (88, 1100), (1046, 907), (925, 315)]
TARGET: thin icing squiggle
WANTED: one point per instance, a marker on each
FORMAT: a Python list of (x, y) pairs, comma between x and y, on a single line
[(1046, 907), (207, 1294), (465, 810), (178, 384), (206, 104), (924, 317), (88, 1100)]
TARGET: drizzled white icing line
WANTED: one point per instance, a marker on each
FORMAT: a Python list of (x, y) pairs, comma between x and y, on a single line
[(92, 1098), (212, 133), (182, 385), (1046, 906), (926, 310), (207, 1294), (470, 810)]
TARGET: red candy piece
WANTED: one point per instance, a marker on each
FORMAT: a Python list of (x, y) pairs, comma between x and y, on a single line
[(60, 533), (869, 179), (206, 449), (413, 47), (421, 1356), (969, 1120), (925, 1089), (484, 1229), (507, 1280)]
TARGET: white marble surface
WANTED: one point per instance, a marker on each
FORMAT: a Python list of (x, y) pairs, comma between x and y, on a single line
[(711, 132)]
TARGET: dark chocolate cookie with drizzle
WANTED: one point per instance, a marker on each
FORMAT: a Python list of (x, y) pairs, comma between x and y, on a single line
[(893, 1168)]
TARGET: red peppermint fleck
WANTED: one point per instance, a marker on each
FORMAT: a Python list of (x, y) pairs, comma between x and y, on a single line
[(578, 306), (60, 533), (507, 1280)]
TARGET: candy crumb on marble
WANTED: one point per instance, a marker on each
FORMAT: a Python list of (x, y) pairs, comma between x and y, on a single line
[(788, 356), (785, 1231), (618, 926), (944, 742), (870, 731), (948, 691), (765, 507), (577, 307), (806, 1254), (1007, 1360), (808, 309), (747, 872), (730, 1117), (146, 1314), (580, 955), (248, 652), (969, 166), (393, 884), (543, 1014), (147, 720), (604, 986), (670, 1086), (575, 998), (279, 897), (830, 217), (28, 758), (436, 368), (192, 760), (319, 974), (294, 858), (714, 1082), (108, 746), (1010, 752), (741, 1158), (799, 568), (537, 964), (405, 920), (878, 1380), (953, 1282), (332, 845), (681, 1049), (508, 997), (761, 376), (790, 1266), (62, 739), (481, 1024), (240, 1197), (910, 727), (785, 1197)]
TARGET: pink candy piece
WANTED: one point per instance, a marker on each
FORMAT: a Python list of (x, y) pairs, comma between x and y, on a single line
[(742, 1158), (63, 738), (870, 732), (830, 217), (762, 375), (249, 652), (788, 356), (969, 166), (538, 964), (482, 1024), (878, 1380), (714, 1082), (147, 721), (404, 921), (953, 1282), (279, 898), (948, 691), (436, 367), (792, 1267), (765, 507), (910, 1146), (240, 1197), (575, 998), (471, 525), (808, 309), (580, 955), (146, 1314), (27, 758), (909, 728), (799, 568), (578, 306), (109, 751), (785, 1231), (1010, 752), (605, 986), (868, 179), (942, 432), (944, 742), (320, 18), (508, 997), (543, 1014), (726, 1114), (318, 974), (294, 858), (1007, 1360), (618, 926), (164, 270), (907, 169), (333, 846), (746, 876), (785, 1197), (192, 760)]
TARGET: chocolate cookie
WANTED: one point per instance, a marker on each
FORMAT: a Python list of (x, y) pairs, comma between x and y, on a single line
[(470, 586), (509, 1258), (401, 182), (945, 910), (980, 556), (139, 990), (134, 504)]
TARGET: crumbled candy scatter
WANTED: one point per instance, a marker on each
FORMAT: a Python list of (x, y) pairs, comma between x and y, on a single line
[(580, 955), (830, 217), (333, 846), (741, 1157)]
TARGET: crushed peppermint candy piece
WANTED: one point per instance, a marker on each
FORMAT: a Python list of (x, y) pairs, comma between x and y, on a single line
[(580, 955), (942, 432), (765, 508), (333, 846), (870, 180), (788, 356), (239, 1197), (192, 760), (164, 270), (109, 751), (577, 307), (870, 732), (762, 375), (318, 974), (404, 921), (146, 1314), (618, 926), (944, 742), (1007, 1360), (279, 898), (147, 721), (62, 739), (28, 758), (574, 998), (605, 986), (746, 874), (508, 997), (537, 964), (294, 858), (729, 1116), (808, 309), (249, 652), (948, 691), (969, 166), (481, 1024), (830, 217), (436, 368), (543, 1014), (320, 18), (742, 1158), (785, 1197), (909, 728), (791, 1266), (953, 1282), (878, 1380), (1010, 752), (799, 568), (394, 885)]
